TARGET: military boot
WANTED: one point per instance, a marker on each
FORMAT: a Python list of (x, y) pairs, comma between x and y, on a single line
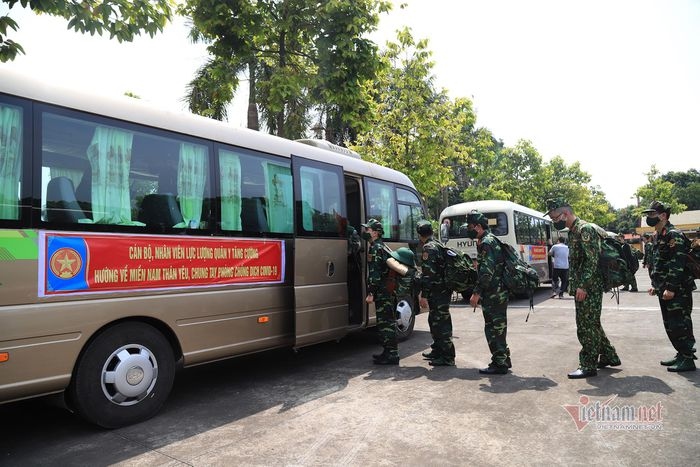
[(609, 361), (387, 359), (682, 364), (671, 361), (377, 356), (442, 361), (430, 355)]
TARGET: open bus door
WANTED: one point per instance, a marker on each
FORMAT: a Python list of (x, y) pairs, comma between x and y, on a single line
[(320, 252)]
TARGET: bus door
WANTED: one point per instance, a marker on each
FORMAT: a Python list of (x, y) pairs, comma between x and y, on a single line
[(320, 252)]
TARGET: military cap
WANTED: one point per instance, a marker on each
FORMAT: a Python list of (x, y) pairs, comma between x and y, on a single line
[(424, 227), (556, 203), (374, 224), (404, 256), (647, 235), (657, 206), (475, 217)]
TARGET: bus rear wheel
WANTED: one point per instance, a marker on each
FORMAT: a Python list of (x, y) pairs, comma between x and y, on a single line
[(404, 328), (124, 376)]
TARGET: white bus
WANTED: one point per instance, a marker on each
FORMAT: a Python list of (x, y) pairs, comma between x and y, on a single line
[(523, 228), (135, 241)]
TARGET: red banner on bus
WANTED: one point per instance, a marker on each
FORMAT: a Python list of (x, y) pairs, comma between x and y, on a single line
[(100, 263)]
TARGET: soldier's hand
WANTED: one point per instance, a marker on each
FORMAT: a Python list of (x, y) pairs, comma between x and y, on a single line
[(474, 299), (423, 302), (581, 295), (668, 295), (370, 298), (652, 291)]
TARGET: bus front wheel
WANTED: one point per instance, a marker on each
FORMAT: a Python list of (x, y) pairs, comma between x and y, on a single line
[(124, 376)]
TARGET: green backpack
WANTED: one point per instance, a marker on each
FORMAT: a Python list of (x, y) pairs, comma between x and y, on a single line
[(460, 273), (616, 263), (692, 256), (518, 277)]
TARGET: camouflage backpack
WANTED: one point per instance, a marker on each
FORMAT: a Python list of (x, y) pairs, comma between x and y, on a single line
[(692, 257), (518, 277), (460, 273), (616, 262)]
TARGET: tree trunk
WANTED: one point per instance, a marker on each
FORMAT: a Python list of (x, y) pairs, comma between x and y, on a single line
[(283, 63), (253, 122)]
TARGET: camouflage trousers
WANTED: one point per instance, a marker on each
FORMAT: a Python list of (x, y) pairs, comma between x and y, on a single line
[(440, 322), (386, 323), (591, 336), (495, 329), (678, 323)]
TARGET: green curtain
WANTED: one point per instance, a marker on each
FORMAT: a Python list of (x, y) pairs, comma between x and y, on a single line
[(191, 179), (383, 206), (307, 199), (10, 160), (280, 203), (230, 168), (110, 156)]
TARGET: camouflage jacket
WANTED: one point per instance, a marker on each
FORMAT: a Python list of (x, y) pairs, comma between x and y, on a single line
[(490, 268), (584, 253), (377, 267), (668, 272), (432, 269)]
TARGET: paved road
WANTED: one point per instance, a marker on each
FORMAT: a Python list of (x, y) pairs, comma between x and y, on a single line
[(328, 405)]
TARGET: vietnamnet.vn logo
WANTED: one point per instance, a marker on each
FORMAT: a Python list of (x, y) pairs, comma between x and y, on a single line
[(608, 416)]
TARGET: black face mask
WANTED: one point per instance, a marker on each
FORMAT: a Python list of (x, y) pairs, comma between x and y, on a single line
[(652, 221), (560, 225), (471, 233), (366, 235)]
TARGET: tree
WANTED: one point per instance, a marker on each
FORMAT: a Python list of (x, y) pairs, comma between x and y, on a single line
[(657, 189), (415, 128), (686, 187), (306, 61), (625, 220), (122, 19)]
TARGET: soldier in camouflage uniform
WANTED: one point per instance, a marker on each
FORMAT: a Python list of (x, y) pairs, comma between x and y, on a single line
[(405, 281), (405, 276), (378, 293), (586, 285), (648, 261), (491, 291), (673, 285), (436, 296)]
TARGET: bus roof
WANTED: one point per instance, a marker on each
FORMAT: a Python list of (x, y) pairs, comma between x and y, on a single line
[(491, 205), (141, 112)]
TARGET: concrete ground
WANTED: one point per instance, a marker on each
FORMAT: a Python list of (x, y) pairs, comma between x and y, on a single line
[(329, 405)]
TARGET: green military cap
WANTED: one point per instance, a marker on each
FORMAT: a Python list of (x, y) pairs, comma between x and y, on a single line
[(424, 227), (647, 235), (556, 203), (657, 206), (374, 224), (475, 217), (404, 256)]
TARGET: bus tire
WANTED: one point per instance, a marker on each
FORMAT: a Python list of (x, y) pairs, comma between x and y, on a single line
[(123, 376), (404, 332)]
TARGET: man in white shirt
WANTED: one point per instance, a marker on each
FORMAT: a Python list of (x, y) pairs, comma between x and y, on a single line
[(560, 268), (445, 230)]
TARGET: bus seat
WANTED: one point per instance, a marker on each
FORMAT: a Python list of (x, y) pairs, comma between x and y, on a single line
[(253, 218), (61, 204), (160, 210)]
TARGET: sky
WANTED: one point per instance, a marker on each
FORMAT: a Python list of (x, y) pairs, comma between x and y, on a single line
[(614, 84)]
